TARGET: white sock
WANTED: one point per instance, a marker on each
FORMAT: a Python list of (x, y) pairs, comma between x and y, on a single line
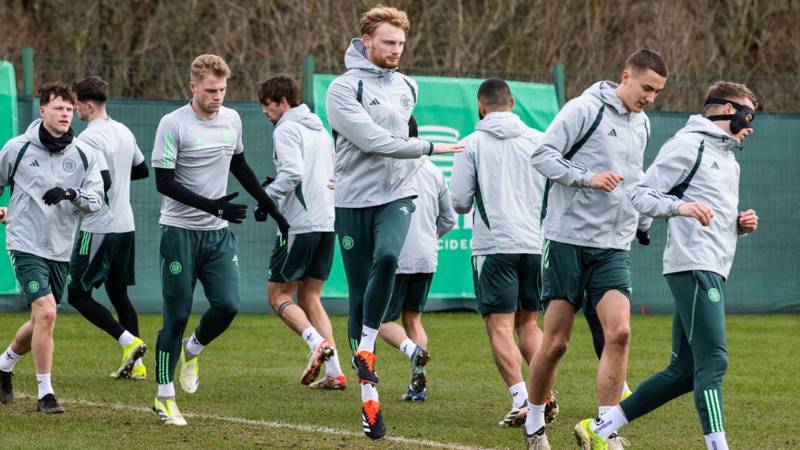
[(126, 338), (519, 394), (43, 382), (312, 338), (8, 360), (138, 363), (625, 387), (408, 347), (368, 392), (368, 336), (332, 367), (716, 441), (193, 346), (602, 409), (166, 390), (609, 422), (535, 420)]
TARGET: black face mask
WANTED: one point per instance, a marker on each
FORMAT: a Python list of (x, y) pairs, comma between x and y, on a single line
[(742, 119)]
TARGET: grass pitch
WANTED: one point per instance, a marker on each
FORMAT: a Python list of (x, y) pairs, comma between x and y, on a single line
[(249, 393)]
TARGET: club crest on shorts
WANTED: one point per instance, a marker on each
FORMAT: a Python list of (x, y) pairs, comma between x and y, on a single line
[(175, 267), (714, 295), (348, 242), (33, 286)]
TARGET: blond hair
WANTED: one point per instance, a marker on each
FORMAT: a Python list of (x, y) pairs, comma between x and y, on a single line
[(372, 19), (205, 64), (727, 90)]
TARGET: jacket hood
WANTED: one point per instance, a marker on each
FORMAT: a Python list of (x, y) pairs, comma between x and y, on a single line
[(699, 124), (502, 125), (356, 58), (605, 91), (32, 133), (302, 115)]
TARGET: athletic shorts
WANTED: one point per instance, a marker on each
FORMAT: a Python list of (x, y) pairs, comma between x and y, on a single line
[(99, 258), (505, 283), (410, 294), (582, 275), (38, 276), (304, 255)]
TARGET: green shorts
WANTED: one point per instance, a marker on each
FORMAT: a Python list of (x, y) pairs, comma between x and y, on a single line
[(99, 258), (305, 255), (505, 283), (575, 273), (410, 294), (38, 276)]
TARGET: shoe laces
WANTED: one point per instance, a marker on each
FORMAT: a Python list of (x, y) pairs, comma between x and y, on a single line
[(371, 410), (369, 358)]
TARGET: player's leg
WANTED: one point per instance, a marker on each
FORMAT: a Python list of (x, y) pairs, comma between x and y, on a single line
[(392, 332), (178, 251), (18, 348), (526, 319), (411, 315)]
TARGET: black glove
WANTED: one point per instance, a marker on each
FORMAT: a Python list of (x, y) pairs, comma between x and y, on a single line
[(56, 194), (283, 227), (267, 181), (260, 214), (643, 237), (232, 212)]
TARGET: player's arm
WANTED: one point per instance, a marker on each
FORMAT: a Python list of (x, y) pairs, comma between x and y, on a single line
[(105, 173), (138, 165), (288, 147), (349, 118), (463, 181), (165, 153), (88, 197), (8, 156), (651, 194), (447, 217), (242, 171)]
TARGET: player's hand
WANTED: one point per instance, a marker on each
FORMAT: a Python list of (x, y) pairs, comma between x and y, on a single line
[(260, 214), (3, 215), (56, 194), (748, 221), (643, 236), (439, 148), (606, 181), (267, 181), (331, 184), (232, 212), (698, 210), (283, 227)]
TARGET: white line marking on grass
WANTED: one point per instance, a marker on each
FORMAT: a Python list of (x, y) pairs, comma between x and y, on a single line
[(271, 424)]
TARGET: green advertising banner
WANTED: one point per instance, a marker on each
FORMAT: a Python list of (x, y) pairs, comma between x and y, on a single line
[(447, 111), (8, 129)]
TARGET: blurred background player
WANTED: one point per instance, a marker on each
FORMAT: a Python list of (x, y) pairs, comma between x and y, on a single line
[(303, 158), (41, 226), (696, 165), (104, 248), (494, 174), (368, 108), (196, 147), (433, 217)]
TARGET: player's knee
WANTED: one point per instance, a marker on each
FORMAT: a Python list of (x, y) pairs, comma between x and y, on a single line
[(619, 336), (555, 349), (717, 362), (386, 261), (44, 317)]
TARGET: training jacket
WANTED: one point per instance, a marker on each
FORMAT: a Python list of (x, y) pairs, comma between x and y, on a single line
[(495, 173), (696, 165), (30, 170), (593, 133), (368, 109), (433, 217), (303, 157)]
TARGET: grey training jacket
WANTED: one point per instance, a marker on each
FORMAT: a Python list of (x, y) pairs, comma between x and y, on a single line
[(433, 217), (368, 109), (30, 170), (593, 133), (495, 173), (303, 157), (697, 165)]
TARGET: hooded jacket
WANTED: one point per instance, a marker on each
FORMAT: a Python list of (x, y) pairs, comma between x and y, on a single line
[(433, 217), (494, 173), (368, 108), (303, 157), (696, 165), (593, 133), (30, 170)]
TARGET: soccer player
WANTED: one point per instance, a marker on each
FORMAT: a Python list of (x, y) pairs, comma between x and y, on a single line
[(697, 164), (593, 153), (51, 177), (495, 174), (195, 148), (104, 248), (303, 157), (368, 108), (433, 217)]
